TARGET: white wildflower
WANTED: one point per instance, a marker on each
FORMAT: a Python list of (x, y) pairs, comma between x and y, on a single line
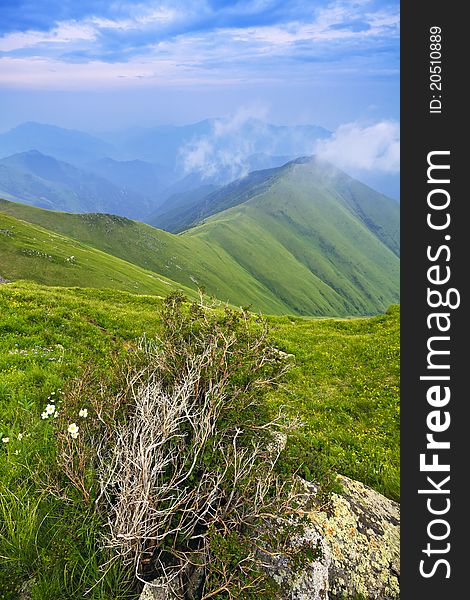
[(50, 409), (5, 440), (44, 415), (73, 430), (83, 413), (20, 436)]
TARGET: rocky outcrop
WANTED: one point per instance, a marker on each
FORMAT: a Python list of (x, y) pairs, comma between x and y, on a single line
[(360, 538), (359, 541)]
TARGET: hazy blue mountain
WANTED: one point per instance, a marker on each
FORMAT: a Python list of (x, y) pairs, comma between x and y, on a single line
[(172, 214), (34, 178), (261, 161), (144, 178), (153, 159), (64, 144), (160, 145), (167, 145)]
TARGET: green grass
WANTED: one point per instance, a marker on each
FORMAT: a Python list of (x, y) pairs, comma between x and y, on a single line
[(308, 243), (30, 251), (47, 336), (343, 385)]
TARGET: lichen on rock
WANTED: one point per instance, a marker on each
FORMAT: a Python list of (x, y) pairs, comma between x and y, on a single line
[(361, 531)]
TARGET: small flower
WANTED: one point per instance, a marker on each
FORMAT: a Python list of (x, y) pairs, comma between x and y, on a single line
[(56, 414), (44, 415), (83, 413), (17, 452), (73, 430), (20, 436), (5, 440), (50, 409)]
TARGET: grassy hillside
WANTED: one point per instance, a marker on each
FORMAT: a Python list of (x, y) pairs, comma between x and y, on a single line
[(182, 211), (313, 242), (343, 385), (308, 241), (29, 251), (191, 262)]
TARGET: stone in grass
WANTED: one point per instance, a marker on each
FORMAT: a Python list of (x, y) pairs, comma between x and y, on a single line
[(361, 535), (152, 591)]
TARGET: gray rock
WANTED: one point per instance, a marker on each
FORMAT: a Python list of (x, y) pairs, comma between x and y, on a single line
[(152, 591), (361, 535)]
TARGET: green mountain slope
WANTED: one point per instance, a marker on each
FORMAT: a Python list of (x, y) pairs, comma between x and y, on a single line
[(31, 252), (378, 212), (316, 237), (176, 215), (192, 262), (311, 241)]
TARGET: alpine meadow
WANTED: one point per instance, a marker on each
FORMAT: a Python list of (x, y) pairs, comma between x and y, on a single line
[(199, 300)]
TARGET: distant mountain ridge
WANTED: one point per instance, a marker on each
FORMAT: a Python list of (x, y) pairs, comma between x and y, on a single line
[(159, 162), (309, 240), (163, 144), (34, 178), (144, 178), (67, 145)]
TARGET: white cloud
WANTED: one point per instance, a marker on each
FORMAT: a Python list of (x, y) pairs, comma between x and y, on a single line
[(185, 53), (155, 17), (70, 32), (45, 73), (224, 153), (66, 32), (354, 147)]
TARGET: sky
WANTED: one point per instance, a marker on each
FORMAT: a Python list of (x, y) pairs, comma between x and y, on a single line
[(99, 65)]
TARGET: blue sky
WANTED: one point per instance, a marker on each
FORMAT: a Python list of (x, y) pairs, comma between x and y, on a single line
[(99, 64)]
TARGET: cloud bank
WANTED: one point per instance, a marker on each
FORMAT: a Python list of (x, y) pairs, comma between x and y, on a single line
[(224, 154), (355, 148), (368, 152)]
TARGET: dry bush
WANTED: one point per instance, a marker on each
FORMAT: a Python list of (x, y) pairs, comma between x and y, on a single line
[(188, 479)]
